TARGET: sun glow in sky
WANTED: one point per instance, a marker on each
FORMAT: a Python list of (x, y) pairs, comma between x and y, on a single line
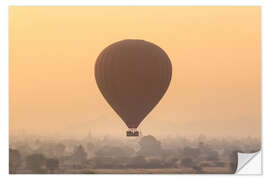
[(215, 54)]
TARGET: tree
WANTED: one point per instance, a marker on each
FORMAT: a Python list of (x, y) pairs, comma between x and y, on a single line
[(90, 146), (150, 146), (212, 155), (190, 152), (155, 163), (106, 162), (137, 162), (187, 162), (114, 151), (15, 160), (59, 149), (198, 169), (170, 162), (220, 164), (233, 164), (80, 155), (52, 164), (35, 161)]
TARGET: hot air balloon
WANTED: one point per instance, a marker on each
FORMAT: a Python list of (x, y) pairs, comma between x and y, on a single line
[(133, 76)]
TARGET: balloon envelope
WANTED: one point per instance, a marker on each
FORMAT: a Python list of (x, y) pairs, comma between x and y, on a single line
[(133, 76)]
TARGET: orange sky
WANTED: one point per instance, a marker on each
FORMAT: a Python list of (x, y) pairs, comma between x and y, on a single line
[(215, 54)]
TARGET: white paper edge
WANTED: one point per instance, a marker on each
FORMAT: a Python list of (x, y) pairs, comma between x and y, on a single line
[(249, 163)]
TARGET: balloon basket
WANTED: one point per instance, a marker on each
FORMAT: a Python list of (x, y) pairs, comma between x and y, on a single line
[(132, 133)]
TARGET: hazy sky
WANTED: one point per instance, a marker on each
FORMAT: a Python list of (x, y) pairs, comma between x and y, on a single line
[(215, 54)]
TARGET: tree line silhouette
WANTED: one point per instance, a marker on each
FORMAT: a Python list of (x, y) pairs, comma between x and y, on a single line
[(86, 156)]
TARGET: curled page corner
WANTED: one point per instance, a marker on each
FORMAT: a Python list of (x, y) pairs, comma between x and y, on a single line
[(249, 163)]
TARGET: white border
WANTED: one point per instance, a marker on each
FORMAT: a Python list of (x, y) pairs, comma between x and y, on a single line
[(4, 107), (137, 2)]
